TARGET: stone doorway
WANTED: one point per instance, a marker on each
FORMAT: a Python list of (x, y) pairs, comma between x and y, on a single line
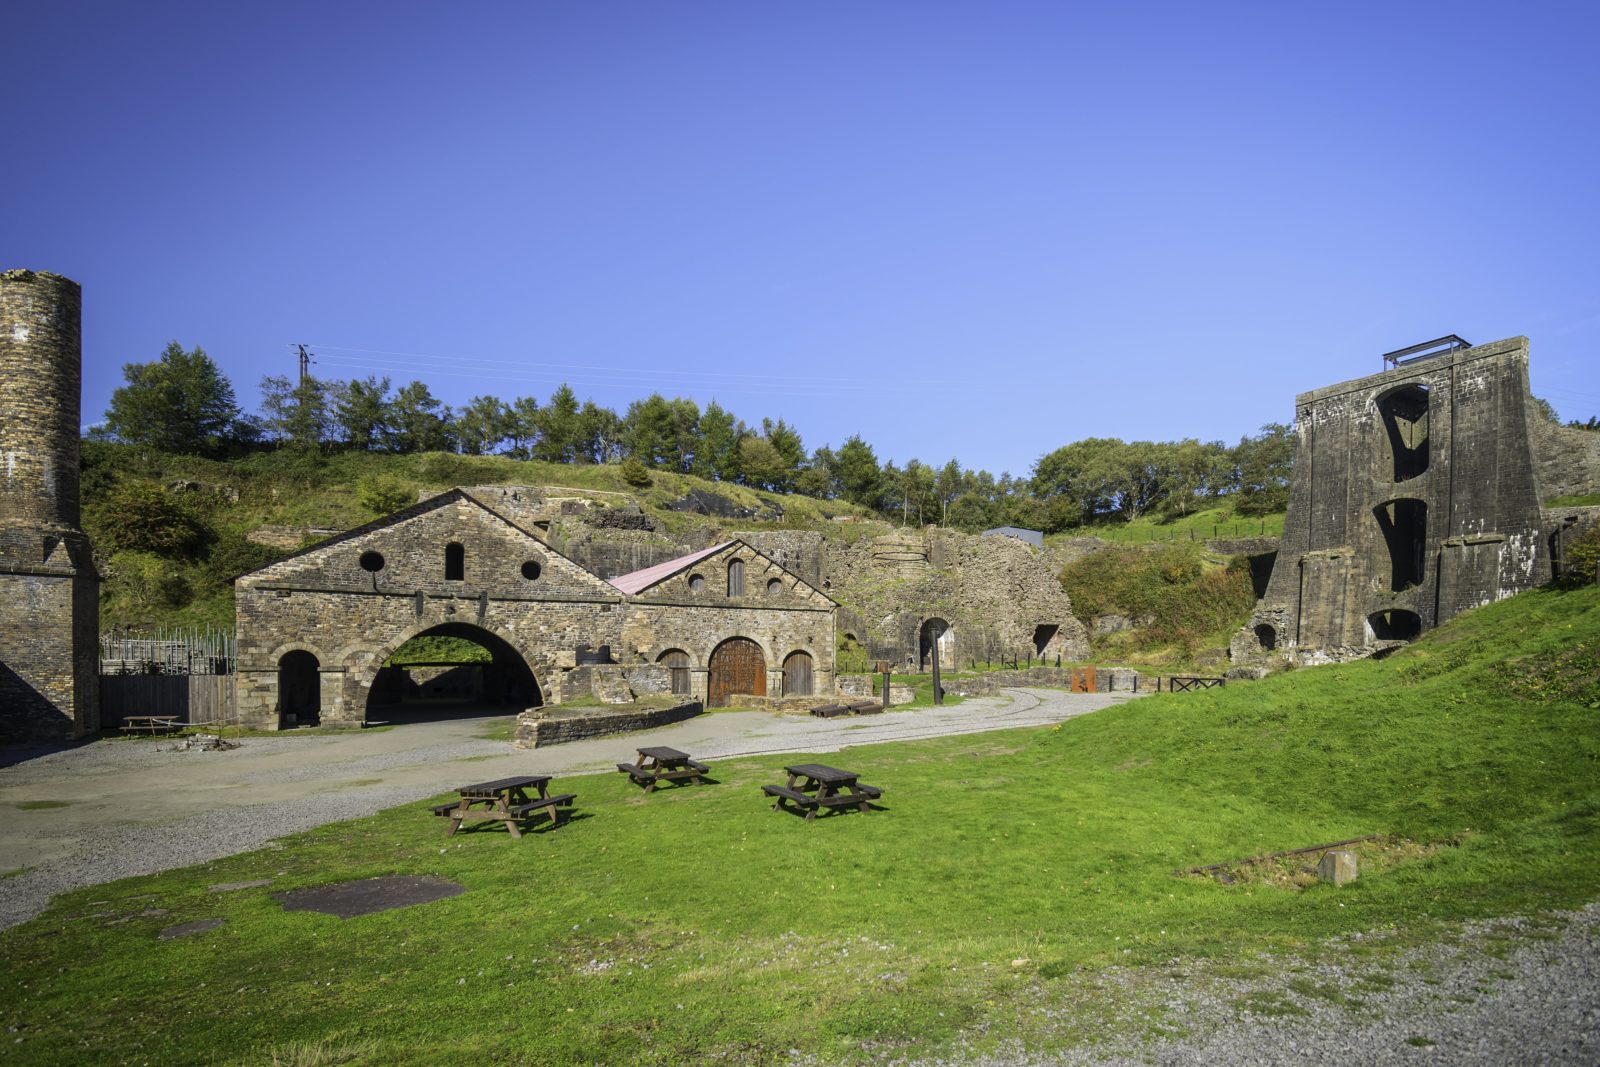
[(299, 690), (936, 630), (738, 666)]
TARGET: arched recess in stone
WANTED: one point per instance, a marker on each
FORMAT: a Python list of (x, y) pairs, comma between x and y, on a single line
[(299, 689), (676, 660), (1395, 624), (1404, 412), (738, 667), (936, 630), (504, 681), (1404, 525), (1266, 636)]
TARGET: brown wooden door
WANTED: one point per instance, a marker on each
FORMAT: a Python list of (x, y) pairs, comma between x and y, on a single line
[(797, 675), (737, 666)]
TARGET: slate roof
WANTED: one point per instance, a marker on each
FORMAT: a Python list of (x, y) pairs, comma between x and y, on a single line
[(638, 581)]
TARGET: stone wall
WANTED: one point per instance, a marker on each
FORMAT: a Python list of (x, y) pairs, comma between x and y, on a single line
[(1568, 459), (1414, 498), (49, 589), (539, 727)]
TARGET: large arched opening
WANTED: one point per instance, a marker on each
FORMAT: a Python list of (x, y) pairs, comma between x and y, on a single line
[(738, 668), (1404, 525), (456, 670), (1405, 423), (299, 690), (936, 631)]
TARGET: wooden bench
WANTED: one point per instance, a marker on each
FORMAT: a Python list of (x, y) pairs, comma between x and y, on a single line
[(794, 796), (551, 806), (639, 774), (152, 724), (696, 765)]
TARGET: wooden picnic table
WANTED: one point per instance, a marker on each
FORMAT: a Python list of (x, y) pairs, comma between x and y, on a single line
[(659, 764), (151, 724), (814, 786), (506, 800)]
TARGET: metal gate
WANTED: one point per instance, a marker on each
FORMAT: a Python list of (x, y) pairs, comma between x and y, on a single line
[(737, 666)]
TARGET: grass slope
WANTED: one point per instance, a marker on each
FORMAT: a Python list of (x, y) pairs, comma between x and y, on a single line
[(697, 926)]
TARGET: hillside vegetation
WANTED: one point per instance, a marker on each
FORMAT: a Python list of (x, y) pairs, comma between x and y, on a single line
[(704, 927)]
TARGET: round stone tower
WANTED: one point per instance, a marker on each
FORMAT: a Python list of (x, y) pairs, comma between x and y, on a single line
[(49, 597)]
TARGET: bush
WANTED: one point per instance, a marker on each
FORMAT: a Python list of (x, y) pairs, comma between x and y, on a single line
[(635, 473), (382, 494), (232, 556), (1170, 586), (1580, 560), (138, 583), (141, 517)]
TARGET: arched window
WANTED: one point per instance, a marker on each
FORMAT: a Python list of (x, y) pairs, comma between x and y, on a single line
[(455, 562), (736, 578), (677, 663), (797, 675), (1267, 636), (697, 583)]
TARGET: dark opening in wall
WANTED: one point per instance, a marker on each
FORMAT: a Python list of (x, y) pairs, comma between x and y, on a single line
[(455, 563), (1042, 636), (1267, 636), (1405, 530), (372, 562), (1396, 624), (299, 690), (1405, 424)]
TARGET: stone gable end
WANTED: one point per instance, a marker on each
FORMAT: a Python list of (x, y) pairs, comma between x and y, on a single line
[(760, 572), (409, 554)]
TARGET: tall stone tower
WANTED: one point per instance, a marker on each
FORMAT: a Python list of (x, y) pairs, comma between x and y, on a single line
[(1415, 497), (49, 591)]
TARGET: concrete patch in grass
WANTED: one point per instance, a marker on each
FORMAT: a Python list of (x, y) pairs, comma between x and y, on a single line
[(349, 899)]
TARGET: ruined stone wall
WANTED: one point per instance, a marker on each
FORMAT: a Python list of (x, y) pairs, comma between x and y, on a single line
[(1568, 459), (994, 592), (49, 606), (1414, 498)]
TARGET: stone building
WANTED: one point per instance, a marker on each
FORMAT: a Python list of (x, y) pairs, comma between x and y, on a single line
[(314, 630), (49, 682), (1415, 497)]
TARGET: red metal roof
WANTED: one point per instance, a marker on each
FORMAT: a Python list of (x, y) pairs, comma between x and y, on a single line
[(638, 581)]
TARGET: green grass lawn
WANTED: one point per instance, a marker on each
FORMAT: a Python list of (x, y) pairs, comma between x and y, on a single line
[(1006, 872), (1196, 526)]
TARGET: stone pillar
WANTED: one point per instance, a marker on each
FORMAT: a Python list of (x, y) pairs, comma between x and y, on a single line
[(49, 591)]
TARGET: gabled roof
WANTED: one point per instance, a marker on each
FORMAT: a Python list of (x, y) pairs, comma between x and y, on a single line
[(638, 581)]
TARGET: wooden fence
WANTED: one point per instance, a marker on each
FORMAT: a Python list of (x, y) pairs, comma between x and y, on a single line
[(193, 698)]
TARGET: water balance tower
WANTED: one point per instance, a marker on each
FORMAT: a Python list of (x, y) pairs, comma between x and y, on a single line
[(49, 591)]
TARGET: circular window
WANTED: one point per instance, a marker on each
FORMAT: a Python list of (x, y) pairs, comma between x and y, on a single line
[(774, 586), (372, 562), (531, 569), (697, 583)]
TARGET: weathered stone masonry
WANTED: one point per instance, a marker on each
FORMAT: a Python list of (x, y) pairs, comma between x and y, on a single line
[(49, 685), (451, 565), (1414, 498)]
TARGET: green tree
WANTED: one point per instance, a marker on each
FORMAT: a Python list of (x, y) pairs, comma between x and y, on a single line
[(522, 426), (716, 454), (482, 425), (860, 476), (598, 434), (421, 423), (296, 415), (179, 403), (1264, 466), (558, 428), (760, 464), (361, 411)]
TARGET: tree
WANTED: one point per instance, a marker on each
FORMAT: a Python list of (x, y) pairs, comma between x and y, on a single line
[(179, 403), (785, 440), (558, 428), (948, 485), (522, 425), (482, 425), (860, 477), (421, 423), (717, 453), (760, 464), (361, 411), (1264, 465), (598, 434), (1085, 473), (296, 416)]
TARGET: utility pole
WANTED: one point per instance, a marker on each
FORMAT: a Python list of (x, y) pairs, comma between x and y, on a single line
[(306, 359)]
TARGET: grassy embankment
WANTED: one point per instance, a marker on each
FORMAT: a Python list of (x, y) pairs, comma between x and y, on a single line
[(1197, 526), (698, 926)]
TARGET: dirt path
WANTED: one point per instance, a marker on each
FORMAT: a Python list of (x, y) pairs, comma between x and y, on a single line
[(111, 809)]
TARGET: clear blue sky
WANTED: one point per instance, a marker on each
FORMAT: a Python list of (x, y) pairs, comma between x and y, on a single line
[(979, 230)]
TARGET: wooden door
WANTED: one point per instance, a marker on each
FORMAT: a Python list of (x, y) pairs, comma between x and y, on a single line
[(797, 675), (737, 666)]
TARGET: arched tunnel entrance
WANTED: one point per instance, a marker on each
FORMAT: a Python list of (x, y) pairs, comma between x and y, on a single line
[(452, 671)]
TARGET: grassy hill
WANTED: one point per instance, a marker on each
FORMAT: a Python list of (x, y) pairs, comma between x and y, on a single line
[(1007, 873)]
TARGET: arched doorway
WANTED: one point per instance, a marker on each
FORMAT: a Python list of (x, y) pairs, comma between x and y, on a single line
[(299, 690), (452, 671), (797, 675), (738, 666), (677, 663), (936, 630)]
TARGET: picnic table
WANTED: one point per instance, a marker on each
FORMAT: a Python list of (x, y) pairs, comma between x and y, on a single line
[(814, 786), (151, 724), (505, 800), (659, 764)]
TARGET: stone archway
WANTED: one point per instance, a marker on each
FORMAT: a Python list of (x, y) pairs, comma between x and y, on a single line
[(738, 666), (936, 631), (456, 686)]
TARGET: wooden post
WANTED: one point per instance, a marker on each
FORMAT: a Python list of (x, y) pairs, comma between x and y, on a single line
[(886, 677), (938, 690)]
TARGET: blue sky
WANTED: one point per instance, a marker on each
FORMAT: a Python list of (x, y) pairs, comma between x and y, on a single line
[(970, 230)]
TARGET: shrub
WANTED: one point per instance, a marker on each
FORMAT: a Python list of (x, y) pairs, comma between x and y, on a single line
[(635, 473), (1581, 558), (384, 493), (141, 517)]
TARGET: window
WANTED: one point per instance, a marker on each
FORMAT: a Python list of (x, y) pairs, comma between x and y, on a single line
[(697, 583), (736, 578), (531, 570), (774, 587), (455, 562), (372, 562)]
